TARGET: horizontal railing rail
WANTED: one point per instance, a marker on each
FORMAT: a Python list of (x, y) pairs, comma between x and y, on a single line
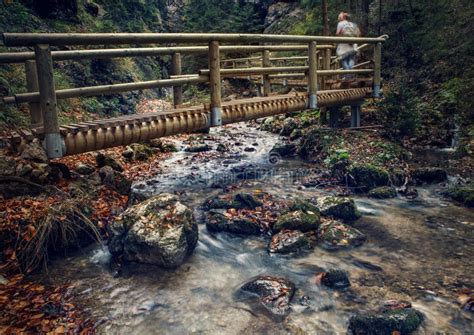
[(32, 39)]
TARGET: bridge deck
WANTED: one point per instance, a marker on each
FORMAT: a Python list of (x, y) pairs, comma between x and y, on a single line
[(100, 134)]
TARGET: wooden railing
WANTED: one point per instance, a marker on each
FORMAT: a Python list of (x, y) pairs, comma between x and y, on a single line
[(42, 94)]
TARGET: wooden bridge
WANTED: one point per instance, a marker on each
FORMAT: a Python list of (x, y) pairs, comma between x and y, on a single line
[(318, 63)]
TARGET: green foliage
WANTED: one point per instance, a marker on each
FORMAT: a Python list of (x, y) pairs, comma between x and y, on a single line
[(401, 108)]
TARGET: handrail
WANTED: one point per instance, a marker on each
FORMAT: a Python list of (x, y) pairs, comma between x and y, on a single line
[(20, 57), (31, 39)]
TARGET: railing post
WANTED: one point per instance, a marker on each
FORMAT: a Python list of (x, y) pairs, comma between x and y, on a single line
[(355, 116), (265, 78), (176, 70), (48, 105), (377, 69), (323, 113), (215, 83), (32, 86), (312, 75)]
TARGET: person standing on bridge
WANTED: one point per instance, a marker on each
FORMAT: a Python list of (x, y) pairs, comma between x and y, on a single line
[(345, 51)]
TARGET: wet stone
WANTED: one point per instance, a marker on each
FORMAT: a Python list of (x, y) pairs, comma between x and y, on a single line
[(429, 175), (284, 149), (335, 278), (298, 220), (463, 194), (402, 321), (289, 124), (288, 241), (159, 231), (302, 205), (338, 207), (85, 169), (274, 293), (367, 177), (238, 201), (198, 147), (220, 221), (106, 160), (383, 192), (115, 180), (249, 171), (249, 149), (335, 235)]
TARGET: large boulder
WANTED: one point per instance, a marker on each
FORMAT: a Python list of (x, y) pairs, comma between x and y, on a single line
[(275, 293), (429, 175), (159, 231), (367, 177), (342, 208), (220, 220), (387, 322), (335, 235), (288, 241), (298, 220)]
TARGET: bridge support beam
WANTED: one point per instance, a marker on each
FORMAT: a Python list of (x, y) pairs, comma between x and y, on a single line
[(215, 83), (33, 86), (377, 69), (176, 70), (48, 104), (312, 75), (355, 116), (333, 117), (265, 79)]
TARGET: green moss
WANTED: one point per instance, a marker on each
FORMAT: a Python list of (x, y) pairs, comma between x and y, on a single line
[(366, 177), (463, 194)]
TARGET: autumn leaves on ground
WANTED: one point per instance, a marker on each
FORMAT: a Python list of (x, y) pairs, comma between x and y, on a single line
[(59, 210)]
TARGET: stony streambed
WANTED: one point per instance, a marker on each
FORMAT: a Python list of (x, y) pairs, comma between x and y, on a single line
[(416, 250)]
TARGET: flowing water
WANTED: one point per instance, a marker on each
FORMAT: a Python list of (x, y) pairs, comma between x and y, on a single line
[(418, 250)]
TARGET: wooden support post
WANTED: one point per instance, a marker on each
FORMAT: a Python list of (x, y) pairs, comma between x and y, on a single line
[(265, 79), (355, 116), (323, 114), (32, 86), (176, 70), (215, 83), (333, 117), (48, 105), (377, 69), (312, 75)]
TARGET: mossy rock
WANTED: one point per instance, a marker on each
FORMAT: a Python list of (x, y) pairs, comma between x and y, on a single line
[(338, 207), (238, 201), (219, 221), (383, 192), (289, 124), (429, 175), (402, 321), (336, 235), (302, 205), (367, 177), (106, 160), (288, 241), (298, 220), (198, 147), (464, 194)]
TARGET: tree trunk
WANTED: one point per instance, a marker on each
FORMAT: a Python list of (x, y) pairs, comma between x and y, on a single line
[(325, 18)]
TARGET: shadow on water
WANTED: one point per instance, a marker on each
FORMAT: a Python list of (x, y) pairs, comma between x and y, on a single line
[(418, 250)]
